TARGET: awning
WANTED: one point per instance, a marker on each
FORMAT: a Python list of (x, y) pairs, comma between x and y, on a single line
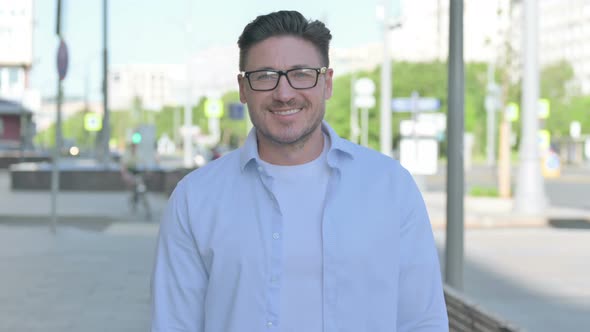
[(8, 107)]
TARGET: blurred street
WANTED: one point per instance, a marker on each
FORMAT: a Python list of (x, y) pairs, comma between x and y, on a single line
[(93, 275)]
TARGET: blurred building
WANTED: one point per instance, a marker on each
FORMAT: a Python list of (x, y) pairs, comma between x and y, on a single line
[(212, 72), (70, 106), (17, 100), (151, 84), (564, 34), (423, 35)]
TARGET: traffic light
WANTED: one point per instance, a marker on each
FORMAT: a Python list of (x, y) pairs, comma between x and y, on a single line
[(143, 140), (136, 138)]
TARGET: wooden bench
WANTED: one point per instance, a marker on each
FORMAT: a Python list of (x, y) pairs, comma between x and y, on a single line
[(466, 316)]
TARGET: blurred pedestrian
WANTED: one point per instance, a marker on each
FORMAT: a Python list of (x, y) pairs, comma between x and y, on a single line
[(299, 229)]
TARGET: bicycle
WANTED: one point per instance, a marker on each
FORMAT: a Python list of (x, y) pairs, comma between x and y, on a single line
[(135, 179)]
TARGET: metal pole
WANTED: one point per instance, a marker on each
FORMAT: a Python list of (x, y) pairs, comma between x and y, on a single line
[(106, 134), (188, 113), (385, 134), (354, 117), (530, 192), (490, 105), (418, 178), (176, 125), (455, 128), (56, 153), (365, 125), (57, 145)]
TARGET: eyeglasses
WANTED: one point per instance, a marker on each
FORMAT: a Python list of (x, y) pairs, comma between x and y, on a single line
[(298, 78)]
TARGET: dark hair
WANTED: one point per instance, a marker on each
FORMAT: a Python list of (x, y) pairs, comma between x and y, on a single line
[(285, 23)]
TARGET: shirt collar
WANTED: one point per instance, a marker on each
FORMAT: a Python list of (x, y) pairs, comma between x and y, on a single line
[(339, 147)]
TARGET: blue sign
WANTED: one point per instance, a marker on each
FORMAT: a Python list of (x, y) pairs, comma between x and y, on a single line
[(415, 104), (62, 60), (236, 111)]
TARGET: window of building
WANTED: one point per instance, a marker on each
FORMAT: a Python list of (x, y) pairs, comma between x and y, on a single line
[(13, 75)]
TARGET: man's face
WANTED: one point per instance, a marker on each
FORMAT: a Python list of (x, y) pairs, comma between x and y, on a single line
[(285, 116)]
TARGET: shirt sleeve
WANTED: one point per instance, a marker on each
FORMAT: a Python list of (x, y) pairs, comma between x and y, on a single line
[(421, 306), (179, 278)]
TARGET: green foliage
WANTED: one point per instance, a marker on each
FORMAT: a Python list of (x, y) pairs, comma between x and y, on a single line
[(429, 79), (554, 79), (566, 103), (479, 191), (563, 113)]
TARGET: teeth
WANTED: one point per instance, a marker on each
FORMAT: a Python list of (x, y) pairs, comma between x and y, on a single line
[(289, 112)]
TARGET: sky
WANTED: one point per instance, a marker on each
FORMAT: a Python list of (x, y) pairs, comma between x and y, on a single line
[(154, 32)]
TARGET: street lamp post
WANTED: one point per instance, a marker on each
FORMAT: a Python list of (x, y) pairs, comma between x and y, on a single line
[(530, 193), (188, 109), (455, 167), (106, 128), (385, 136)]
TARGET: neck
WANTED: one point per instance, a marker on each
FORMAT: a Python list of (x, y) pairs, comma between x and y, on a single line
[(297, 153)]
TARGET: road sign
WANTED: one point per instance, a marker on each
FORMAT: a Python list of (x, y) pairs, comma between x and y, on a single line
[(511, 112), (415, 104), (544, 108), (551, 165), (236, 111), (419, 156), (364, 89), (364, 86), (62, 60), (544, 139), (364, 101), (213, 108), (92, 122), (409, 128), (575, 129)]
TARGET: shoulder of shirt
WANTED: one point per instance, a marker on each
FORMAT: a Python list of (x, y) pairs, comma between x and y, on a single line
[(369, 159)]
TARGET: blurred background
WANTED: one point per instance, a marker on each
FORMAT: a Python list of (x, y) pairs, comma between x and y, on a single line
[(106, 105)]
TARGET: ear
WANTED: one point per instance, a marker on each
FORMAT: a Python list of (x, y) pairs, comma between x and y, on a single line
[(241, 84), (328, 81)]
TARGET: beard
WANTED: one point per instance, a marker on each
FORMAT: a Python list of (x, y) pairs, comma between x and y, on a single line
[(295, 133)]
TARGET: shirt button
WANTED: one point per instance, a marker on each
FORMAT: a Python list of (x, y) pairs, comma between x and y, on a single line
[(260, 168), (269, 324), (276, 236), (274, 279)]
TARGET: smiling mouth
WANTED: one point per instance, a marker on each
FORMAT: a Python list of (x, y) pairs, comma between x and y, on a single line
[(288, 112)]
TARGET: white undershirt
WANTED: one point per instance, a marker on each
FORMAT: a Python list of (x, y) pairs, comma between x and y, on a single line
[(300, 191)]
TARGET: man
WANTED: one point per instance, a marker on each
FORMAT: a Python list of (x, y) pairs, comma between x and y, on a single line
[(298, 230)]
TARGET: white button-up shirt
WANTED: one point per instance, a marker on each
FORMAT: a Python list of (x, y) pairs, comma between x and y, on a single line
[(219, 248)]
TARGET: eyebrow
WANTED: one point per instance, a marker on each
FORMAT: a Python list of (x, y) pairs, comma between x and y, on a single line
[(292, 67)]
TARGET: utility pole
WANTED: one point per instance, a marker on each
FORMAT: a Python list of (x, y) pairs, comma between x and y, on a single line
[(106, 128), (188, 110), (455, 129), (385, 136), (62, 69), (530, 192), (492, 102)]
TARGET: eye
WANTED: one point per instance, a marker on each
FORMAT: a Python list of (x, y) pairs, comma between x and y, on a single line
[(264, 76), (303, 73)]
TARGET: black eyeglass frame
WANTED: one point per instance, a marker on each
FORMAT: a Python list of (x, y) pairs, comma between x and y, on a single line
[(319, 71)]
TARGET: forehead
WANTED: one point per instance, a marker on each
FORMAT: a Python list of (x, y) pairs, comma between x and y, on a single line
[(282, 52)]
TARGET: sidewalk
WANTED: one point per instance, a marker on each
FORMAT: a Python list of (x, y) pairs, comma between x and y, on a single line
[(93, 275), (487, 212)]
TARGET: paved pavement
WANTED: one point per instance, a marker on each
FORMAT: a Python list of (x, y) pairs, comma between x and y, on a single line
[(93, 275), (76, 280)]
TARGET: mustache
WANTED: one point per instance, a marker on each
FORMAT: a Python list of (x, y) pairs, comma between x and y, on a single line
[(289, 104)]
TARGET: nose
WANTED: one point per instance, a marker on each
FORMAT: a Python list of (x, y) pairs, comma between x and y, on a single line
[(283, 92)]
